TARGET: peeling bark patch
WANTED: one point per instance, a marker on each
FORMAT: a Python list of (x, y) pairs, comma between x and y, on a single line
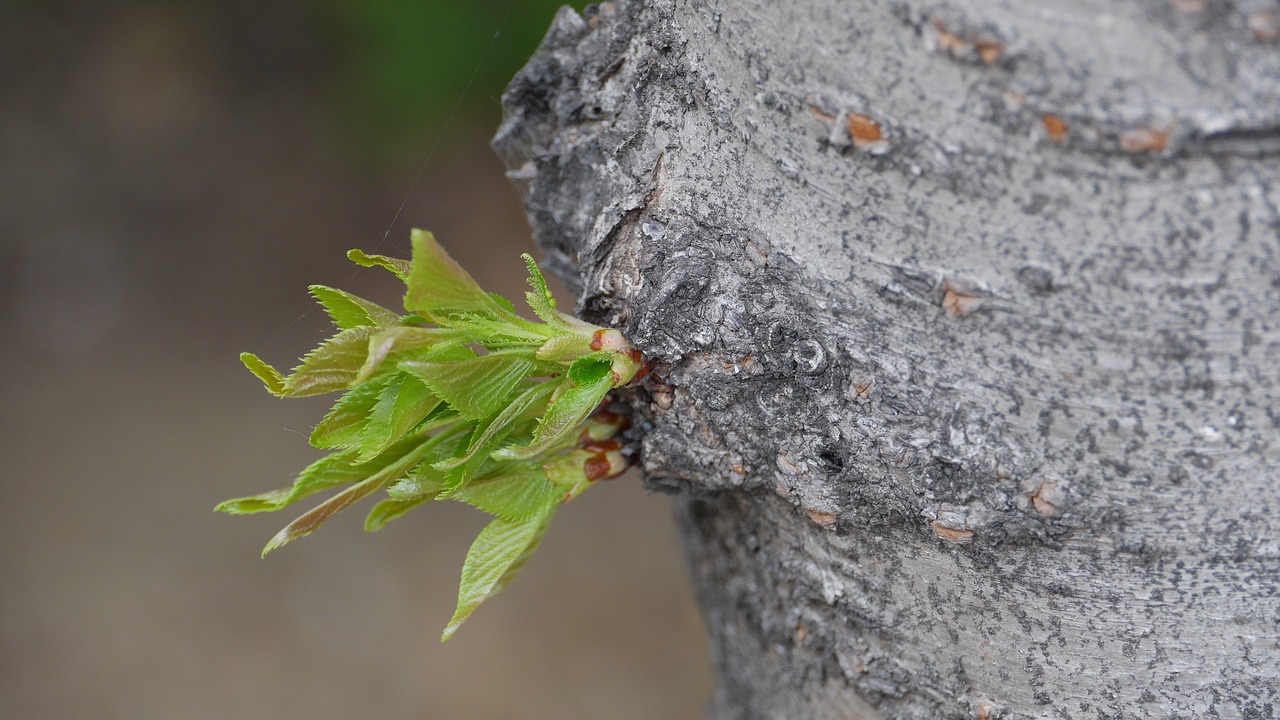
[(951, 535), (821, 518), (848, 124), (787, 465), (822, 107), (1054, 127), (1046, 497), (989, 49), (601, 13), (1264, 25), (1145, 140), (968, 47), (821, 114), (866, 133), (957, 303)]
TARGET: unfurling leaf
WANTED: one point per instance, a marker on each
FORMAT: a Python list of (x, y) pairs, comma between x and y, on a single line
[(349, 311), (403, 403), (332, 366), (590, 369), (409, 342), (497, 429), (540, 299), (563, 417), (269, 376), (461, 399), (396, 266), (344, 424), (329, 471), (389, 509), (311, 520), (439, 287)]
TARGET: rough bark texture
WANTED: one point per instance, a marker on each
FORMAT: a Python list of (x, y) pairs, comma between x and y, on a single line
[(967, 321)]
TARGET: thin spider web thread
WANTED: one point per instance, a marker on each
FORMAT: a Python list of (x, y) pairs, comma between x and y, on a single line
[(435, 145), (475, 72)]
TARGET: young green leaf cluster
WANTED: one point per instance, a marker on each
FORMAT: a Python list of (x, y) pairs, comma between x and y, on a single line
[(461, 399)]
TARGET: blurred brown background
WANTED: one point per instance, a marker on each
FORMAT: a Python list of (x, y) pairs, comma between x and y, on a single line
[(171, 179)]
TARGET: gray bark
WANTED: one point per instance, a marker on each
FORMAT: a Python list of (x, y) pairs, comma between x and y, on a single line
[(976, 418)]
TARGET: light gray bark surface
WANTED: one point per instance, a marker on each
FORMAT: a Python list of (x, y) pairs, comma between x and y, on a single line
[(979, 419)]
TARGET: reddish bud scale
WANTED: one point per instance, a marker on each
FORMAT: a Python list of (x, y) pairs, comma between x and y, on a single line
[(600, 446), (608, 418), (1054, 126), (596, 467), (605, 465), (602, 425), (645, 369), (608, 339), (863, 128)]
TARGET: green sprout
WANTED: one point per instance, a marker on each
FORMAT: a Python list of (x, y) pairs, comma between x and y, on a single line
[(461, 399)]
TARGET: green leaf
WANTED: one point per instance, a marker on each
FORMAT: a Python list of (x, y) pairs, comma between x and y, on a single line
[(332, 366), (495, 557), (477, 388), (426, 480), (379, 473), (329, 471), (340, 468), (343, 425), (500, 332), (403, 403), (543, 303), (349, 311), (310, 521), (398, 267), (431, 399), (565, 347), (439, 287), (404, 341), (511, 496), (590, 369), (563, 417), (389, 509), (540, 299), (497, 429), (269, 376)]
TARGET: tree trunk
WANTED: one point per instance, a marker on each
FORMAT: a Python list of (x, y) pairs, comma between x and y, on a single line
[(966, 321)]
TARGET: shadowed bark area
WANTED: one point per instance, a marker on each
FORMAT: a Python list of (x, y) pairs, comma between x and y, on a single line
[(966, 315)]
